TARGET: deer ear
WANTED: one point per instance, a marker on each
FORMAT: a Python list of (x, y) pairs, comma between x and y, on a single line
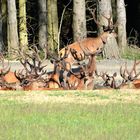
[(115, 74)]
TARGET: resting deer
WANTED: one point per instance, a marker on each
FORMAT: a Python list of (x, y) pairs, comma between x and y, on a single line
[(7, 77), (54, 76), (81, 79), (130, 78), (32, 77), (78, 50), (109, 80)]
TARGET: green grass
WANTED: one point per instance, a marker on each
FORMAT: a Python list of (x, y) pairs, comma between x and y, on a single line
[(68, 121), (131, 53), (128, 53)]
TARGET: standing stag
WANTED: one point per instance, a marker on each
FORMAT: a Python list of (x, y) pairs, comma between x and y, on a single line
[(77, 51)]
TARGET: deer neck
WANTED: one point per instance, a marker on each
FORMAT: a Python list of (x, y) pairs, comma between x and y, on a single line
[(103, 41), (104, 37)]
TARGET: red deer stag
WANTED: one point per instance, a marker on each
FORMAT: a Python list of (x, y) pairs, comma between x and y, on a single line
[(130, 78), (8, 81), (7, 75), (81, 79), (88, 46), (109, 81), (33, 76)]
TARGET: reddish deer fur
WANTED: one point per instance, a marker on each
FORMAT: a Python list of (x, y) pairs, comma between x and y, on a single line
[(10, 77), (87, 46), (136, 83), (78, 50)]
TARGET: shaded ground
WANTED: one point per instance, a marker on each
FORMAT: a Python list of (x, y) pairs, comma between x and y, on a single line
[(109, 66)]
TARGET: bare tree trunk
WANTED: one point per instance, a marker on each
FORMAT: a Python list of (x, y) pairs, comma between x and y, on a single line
[(13, 42), (79, 19), (121, 19), (52, 27), (23, 35), (4, 24), (111, 49), (42, 23), (1, 38)]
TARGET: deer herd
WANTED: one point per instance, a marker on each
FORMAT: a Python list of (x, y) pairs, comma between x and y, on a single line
[(73, 69), (64, 75)]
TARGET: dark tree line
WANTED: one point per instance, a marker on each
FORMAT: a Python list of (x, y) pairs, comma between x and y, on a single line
[(56, 23)]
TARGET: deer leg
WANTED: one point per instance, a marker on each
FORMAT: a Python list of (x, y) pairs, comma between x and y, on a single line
[(65, 75), (92, 65)]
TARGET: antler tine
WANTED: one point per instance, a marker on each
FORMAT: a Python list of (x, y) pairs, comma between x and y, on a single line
[(36, 54), (109, 80), (110, 23), (20, 76), (123, 74), (115, 25), (134, 71), (129, 76), (103, 75), (106, 78), (33, 66), (126, 70), (92, 11), (27, 65)]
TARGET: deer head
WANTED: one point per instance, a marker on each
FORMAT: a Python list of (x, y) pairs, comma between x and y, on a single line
[(129, 75), (109, 80), (108, 30), (34, 71)]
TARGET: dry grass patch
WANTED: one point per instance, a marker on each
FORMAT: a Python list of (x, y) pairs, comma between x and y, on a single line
[(84, 97)]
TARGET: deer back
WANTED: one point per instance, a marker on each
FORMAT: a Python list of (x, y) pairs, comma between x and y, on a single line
[(10, 77)]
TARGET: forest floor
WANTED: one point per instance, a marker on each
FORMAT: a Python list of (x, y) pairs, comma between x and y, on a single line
[(106, 65)]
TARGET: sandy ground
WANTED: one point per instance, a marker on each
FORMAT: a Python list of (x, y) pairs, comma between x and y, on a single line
[(102, 65)]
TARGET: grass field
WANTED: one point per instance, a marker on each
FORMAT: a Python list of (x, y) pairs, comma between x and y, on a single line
[(70, 115)]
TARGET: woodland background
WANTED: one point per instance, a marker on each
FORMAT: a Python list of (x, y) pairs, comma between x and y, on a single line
[(54, 24)]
